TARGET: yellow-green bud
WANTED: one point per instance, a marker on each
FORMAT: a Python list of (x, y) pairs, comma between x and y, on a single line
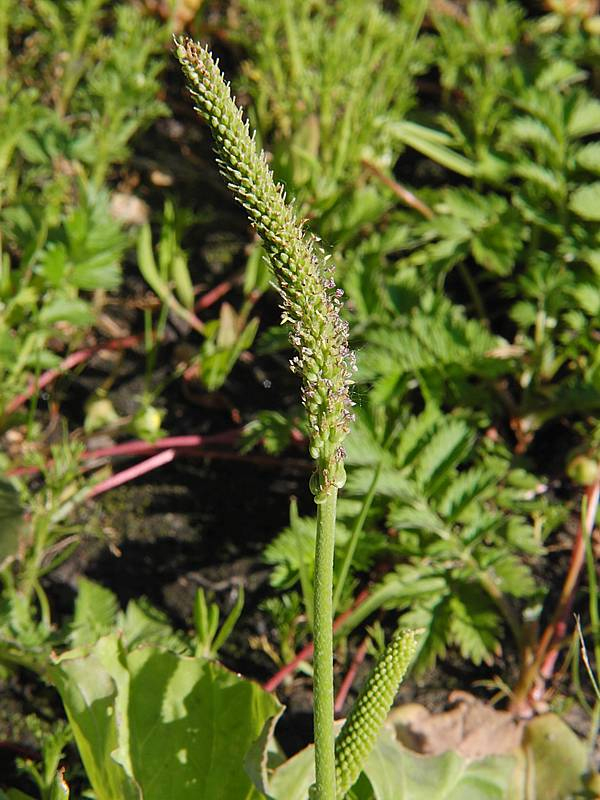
[(583, 470)]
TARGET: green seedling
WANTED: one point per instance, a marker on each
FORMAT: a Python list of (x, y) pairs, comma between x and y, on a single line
[(209, 637)]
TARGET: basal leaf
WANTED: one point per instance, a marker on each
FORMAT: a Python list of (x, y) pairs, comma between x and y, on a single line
[(397, 773), (152, 724)]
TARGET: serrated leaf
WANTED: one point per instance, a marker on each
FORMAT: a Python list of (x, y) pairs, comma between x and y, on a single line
[(95, 613), (390, 483), (421, 518), (446, 448), (473, 625), (532, 131), (585, 118), (417, 433), (513, 576), (587, 296), (542, 176), (588, 157), (496, 247), (53, 263), (143, 623), (559, 73), (74, 311), (295, 546), (464, 490), (97, 272), (362, 446), (585, 201), (434, 619)]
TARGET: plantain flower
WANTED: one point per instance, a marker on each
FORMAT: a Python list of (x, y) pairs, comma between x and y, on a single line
[(310, 301)]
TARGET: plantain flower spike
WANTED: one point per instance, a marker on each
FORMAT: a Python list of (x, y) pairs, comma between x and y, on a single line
[(310, 302), (357, 738)]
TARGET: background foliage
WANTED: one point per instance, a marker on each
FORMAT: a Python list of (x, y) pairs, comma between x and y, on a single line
[(447, 156)]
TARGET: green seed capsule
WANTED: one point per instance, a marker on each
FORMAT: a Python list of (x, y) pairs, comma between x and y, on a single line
[(357, 737)]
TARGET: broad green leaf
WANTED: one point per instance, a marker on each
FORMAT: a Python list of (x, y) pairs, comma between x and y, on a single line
[(293, 779), (151, 724), (556, 758), (396, 773)]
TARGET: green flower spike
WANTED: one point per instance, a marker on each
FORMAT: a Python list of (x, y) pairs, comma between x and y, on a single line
[(309, 299), (357, 738)]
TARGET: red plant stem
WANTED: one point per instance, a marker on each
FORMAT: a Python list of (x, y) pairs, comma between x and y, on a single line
[(139, 447), (190, 445), (346, 684), (216, 293), (129, 474), (70, 362), (592, 494), (407, 197), (531, 684), (307, 651)]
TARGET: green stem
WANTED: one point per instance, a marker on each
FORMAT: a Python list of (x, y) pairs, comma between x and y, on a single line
[(323, 657), (473, 290), (5, 16), (76, 66), (356, 531)]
